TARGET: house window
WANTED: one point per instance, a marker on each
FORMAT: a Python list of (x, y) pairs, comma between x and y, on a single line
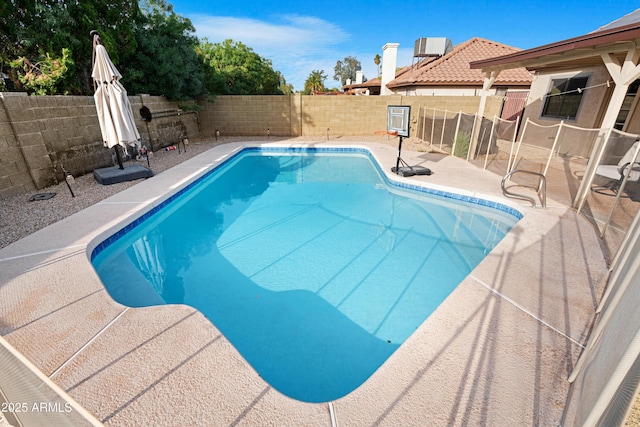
[(563, 100)]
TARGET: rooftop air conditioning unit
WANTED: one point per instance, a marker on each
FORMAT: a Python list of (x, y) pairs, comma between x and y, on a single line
[(432, 46)]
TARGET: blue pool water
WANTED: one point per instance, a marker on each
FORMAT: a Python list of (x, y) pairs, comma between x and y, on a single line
[(311, 263)]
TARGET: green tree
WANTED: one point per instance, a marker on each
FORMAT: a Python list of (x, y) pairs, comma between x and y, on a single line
[(285, 88), (346, 69), (377, 60), (46, 76), (14, 15), (315, 82), (232, 68), (33, 30), (46, 47), (165, 61)]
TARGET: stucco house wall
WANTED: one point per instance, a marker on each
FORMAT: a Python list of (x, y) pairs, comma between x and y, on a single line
[(592, 106)]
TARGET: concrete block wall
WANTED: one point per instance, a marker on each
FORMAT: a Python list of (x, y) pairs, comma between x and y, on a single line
[(307, 115), (14, 172), (40, 135), (43, 135), (345, 115), (166, 115), (250, 115)]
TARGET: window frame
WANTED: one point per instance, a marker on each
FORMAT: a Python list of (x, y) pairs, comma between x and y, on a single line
[(571, 90)]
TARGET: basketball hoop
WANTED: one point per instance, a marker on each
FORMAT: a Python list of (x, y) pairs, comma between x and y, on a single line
[(398, 125)]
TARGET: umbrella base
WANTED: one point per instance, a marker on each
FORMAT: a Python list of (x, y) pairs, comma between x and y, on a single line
[(114, 175)]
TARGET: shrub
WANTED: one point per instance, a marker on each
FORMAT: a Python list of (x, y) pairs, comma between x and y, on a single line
[(461, 143)]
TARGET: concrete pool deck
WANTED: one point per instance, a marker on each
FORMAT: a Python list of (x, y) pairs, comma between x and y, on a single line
[(497, 351)]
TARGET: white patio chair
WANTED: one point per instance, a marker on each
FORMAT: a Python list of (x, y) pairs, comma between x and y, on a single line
[(615, 173)]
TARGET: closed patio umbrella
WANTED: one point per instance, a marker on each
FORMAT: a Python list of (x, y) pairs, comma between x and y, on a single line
[(112, 104), (115, 116)]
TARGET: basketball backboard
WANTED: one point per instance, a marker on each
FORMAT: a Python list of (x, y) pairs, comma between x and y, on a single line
[(398, 119)]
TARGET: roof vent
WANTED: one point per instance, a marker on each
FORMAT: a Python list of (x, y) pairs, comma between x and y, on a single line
[(432, 46)]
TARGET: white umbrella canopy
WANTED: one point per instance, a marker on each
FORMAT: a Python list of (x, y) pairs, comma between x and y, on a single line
[(115, 115)]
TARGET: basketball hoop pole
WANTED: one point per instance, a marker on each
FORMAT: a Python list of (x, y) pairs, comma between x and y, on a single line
[(399, 151)]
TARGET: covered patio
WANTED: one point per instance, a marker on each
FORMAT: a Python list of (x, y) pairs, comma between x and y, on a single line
[(604, 383)]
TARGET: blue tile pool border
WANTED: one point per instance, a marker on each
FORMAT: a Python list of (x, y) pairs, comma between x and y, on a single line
[(357, 150)]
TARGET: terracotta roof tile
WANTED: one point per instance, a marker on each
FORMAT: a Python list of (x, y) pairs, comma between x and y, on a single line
[(453, 68), (369, 83)]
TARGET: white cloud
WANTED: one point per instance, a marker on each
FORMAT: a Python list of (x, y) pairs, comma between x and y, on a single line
[(295, 44), (300, 34)]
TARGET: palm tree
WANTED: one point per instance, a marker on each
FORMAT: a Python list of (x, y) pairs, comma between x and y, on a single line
[(315, 82), (377, 60)]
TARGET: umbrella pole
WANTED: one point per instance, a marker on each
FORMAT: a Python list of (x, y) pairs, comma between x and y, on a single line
[(145, 152), (119, 156), (67, 177)]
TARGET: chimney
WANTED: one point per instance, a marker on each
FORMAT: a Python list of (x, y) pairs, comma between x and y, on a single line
[(359, 77), (389, 58)]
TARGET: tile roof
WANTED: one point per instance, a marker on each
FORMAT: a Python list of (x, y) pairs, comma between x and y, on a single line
[(369, 83), (570, 54), (453, 68)]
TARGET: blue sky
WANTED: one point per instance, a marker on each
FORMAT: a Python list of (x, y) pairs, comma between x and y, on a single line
[(302, 36)]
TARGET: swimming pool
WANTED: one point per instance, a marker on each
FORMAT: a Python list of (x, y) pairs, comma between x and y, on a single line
[(311, 262)]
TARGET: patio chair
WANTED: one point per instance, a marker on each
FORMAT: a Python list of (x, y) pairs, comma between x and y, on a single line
[(615, 173)]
